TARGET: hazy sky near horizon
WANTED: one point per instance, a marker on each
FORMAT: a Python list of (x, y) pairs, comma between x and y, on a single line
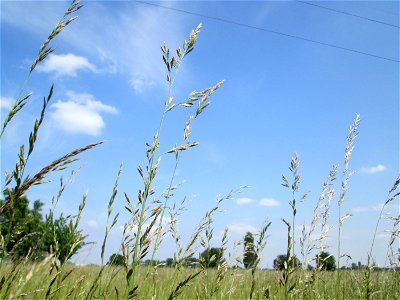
[(281, 95)]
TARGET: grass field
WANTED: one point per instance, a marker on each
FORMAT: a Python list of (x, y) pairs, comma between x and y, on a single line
[(235, 285)]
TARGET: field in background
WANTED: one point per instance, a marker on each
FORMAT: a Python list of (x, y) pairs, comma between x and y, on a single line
[(236, 285)]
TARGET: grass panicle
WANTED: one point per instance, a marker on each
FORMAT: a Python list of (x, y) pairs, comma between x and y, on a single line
[(353, 133)]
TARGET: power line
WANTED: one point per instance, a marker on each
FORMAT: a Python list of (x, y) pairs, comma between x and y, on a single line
[(270, 31), (347, 13)]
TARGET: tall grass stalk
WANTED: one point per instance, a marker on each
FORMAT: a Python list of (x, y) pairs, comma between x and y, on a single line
[(97, 283), (291, 259), (259, 248), (353, 133)]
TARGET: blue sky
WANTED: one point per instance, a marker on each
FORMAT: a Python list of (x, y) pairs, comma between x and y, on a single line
[(280, 95)]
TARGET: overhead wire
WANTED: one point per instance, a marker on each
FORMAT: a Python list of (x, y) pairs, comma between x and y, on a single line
[(347, 13), (269, 31)]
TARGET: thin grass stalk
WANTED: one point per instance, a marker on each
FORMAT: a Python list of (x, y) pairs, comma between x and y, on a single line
[(260, 246), (353, 133), (294, 188), (44, 51), (98, 280)]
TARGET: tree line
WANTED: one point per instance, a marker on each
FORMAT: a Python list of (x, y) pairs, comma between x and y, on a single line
[(26, 233), (212, 257)]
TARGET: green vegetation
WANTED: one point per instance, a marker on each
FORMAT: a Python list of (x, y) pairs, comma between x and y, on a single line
[(27, 234), (35, 252), (249, 256), (326, 261), (236, 285)]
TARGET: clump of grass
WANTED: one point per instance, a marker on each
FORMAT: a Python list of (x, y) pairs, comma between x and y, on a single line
[(307, 242), (310, 244)]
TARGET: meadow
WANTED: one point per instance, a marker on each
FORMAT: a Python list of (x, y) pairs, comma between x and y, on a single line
[(236, 284), (42, 270)]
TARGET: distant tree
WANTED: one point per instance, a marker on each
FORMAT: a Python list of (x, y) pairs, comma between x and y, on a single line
[(212, 257), (250, 256), (116, 260), (192, 262), (26, 235), (21, 228), (169, 262), (150, 262), (279, 262), (326, 261), (63, 237)]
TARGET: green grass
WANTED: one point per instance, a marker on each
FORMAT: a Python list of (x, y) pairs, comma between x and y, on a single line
[(236, 284)]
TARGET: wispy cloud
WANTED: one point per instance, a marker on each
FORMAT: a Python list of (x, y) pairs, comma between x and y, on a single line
[(6, 102), (372, 170), (268, 202), (81, 113), (383, 235), (139, 85), (244, 201), (129, 44), (66, 65), (262, 202), (376, 207), (92, 223), (242, 228)]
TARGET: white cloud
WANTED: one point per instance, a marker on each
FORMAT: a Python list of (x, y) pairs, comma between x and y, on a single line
[(139, 85), (65, 65), (243, 201), (242, 228), (6, 102), (92, 223), (372, 170), (360, 209), (383, 235), (376, 207), (80, 114), (268, 202)]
